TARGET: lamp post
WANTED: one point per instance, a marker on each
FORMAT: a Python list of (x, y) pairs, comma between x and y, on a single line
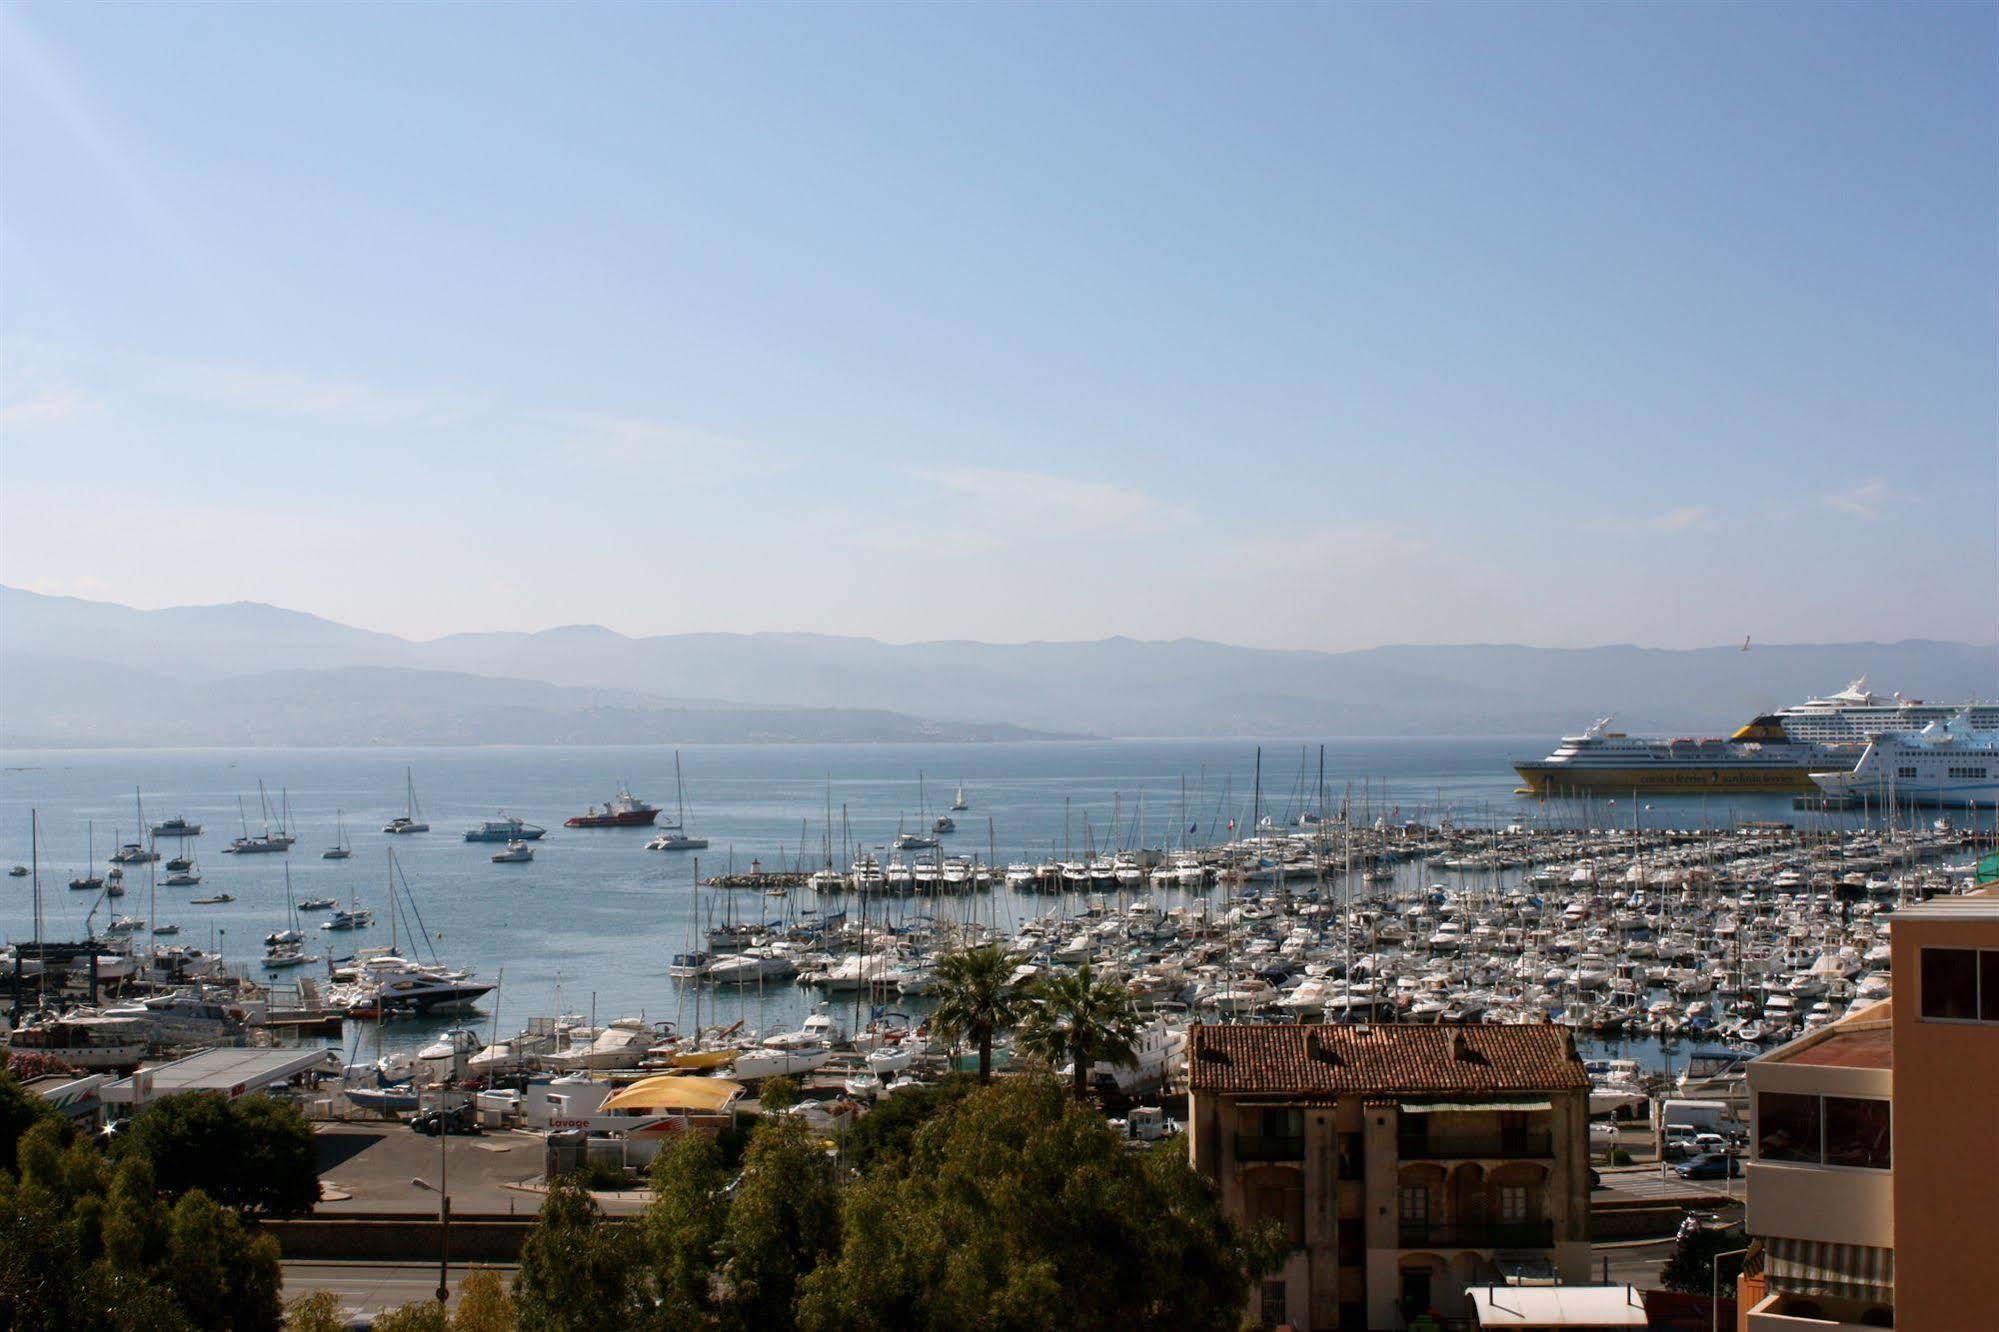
[(1714, 1286), (443, 1209)]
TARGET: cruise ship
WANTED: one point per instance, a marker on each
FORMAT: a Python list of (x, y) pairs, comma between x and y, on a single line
[(1759, 757), (1776, 752), (1856, 715)]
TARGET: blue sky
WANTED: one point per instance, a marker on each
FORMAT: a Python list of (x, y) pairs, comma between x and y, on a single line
[(1296, 326)]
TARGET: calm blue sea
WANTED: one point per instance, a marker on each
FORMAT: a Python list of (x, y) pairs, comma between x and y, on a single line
[(595, 918)]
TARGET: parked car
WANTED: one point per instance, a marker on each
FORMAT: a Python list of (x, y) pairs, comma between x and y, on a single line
[(458, 1119), (1709, 1165), (1603, 1129), (1710, 1142)]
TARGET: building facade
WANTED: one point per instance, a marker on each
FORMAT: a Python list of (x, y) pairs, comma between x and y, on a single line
[(1405, 1163), (1874, 1143)]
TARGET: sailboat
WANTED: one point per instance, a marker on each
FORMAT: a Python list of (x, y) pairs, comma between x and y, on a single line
[(86, 881), (286, 948), (958, 802), (411, 821), (676, 838), (340, 850)]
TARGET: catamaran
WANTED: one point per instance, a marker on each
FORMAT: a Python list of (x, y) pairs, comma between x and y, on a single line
[(411, 820), (677, 838)]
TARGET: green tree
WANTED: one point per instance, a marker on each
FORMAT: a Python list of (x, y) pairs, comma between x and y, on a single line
[(777, 1094), (683, 1228), (1083, 1018), (783, 1220), (1019, 1209), (416, 1316), (975, 998), (20, 1110), (317, 1312), (252, 1153), (222, 1276), (889, 1128), (578, 1273), (484, 1305)]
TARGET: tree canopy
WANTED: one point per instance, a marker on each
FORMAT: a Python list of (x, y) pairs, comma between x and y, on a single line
[(976, 997), (255, 1152)]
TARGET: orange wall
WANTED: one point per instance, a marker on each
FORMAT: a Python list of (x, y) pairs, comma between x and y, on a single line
[(1946, 1144)]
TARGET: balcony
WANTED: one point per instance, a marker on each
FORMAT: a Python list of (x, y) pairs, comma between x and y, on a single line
[(1469, 1146), (1478, 1235), (1264, 1147)]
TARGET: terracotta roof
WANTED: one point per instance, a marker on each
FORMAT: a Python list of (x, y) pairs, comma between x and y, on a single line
[(1400, 1060)]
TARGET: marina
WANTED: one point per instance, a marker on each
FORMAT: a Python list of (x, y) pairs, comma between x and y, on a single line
[(1212, 886)]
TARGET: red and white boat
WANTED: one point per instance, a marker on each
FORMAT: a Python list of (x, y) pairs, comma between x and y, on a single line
[(625, 811)]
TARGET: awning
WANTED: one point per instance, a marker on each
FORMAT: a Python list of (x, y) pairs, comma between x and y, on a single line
[(1818, 1267), (1433, 1107), (670, 1093)]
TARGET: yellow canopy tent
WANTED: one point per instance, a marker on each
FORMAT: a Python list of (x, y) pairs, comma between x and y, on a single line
[(669, 1093)]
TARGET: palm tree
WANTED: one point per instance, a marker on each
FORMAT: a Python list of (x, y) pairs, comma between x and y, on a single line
[(976, 998), (1085, 1018)]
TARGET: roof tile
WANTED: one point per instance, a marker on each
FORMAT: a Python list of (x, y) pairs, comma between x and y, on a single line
[(1496, 1057)]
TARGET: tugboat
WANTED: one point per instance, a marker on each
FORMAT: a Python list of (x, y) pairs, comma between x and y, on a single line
[(624, 811)]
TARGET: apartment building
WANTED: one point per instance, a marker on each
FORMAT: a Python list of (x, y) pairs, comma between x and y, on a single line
[(1870, 1191), (1406, 1163)]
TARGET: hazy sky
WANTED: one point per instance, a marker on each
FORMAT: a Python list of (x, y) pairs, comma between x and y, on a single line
[(1297, 326)]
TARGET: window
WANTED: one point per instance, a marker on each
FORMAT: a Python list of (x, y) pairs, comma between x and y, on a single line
[(1350, 1156), (1988, 985), (1905, 774), (1353, 1243), (1415, 1204), (1856, 1132), (1787, 1127), (1282, 1201), (1849, 1131), (1512, 1202), (1273, 1302), (1950, 985)]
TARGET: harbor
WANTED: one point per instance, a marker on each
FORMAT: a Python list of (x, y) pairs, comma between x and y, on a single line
[(1259, 883)]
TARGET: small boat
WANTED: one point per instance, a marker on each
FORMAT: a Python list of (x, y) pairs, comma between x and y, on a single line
[(339, 850), (944, 824), (216, 899), (506, 828), (676, 837), (131, 853), (18, 872), (388, 1100), (166, 927), (176, 827), (315, 903), (411, 821), (958, 803), (181, 879), (360, 918), (517, 853), (87, 882), (179, 864), (282, 956)]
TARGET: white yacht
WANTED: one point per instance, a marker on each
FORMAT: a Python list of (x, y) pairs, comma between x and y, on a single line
[(516, 853), (411, 819)]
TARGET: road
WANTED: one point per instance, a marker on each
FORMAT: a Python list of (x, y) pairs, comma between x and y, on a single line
[(371, 1287), (1648, 1182)]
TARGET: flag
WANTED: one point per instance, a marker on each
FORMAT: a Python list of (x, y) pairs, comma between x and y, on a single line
[(1231, 825)]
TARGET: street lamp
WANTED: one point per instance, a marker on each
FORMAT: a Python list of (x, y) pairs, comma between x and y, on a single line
[(1714, 1286), (442, 1190)]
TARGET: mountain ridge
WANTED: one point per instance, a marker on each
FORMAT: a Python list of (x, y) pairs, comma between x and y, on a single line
[(1187, 686)]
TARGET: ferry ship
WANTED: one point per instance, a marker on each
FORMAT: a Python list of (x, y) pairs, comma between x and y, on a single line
[(1758, 757), (1776, 752), (1947, 765)]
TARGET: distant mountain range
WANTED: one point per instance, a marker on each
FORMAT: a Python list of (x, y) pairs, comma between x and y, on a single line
[(76, 672)]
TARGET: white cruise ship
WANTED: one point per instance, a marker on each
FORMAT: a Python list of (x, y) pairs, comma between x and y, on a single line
[(1856, 715), (1759, 757), (1945, 764)]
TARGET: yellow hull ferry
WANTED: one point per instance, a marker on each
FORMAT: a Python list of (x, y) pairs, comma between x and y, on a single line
[(1759, 757)]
